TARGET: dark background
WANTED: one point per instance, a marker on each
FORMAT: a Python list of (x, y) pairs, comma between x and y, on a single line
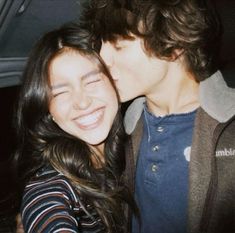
[(22, 22)]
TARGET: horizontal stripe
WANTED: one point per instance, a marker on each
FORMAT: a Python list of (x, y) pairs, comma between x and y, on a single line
[(51, 204)]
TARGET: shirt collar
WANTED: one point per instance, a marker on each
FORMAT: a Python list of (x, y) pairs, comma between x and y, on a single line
[(216, 98)]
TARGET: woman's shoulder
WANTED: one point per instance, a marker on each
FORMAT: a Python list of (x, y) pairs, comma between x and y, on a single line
[(49, 200), (48, 183)]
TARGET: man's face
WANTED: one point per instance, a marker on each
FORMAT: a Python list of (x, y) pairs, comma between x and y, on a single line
[(134, 71)]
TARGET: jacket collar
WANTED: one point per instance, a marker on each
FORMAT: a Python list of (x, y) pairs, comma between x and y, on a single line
[(216, 99)]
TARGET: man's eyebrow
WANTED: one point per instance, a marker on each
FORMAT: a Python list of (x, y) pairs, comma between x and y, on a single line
[(88, 74)]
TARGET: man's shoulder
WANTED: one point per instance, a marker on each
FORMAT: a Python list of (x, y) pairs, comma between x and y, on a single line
[(133, 114), (217, 99)]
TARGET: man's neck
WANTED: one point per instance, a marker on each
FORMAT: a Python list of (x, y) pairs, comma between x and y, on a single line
[(178, 94)]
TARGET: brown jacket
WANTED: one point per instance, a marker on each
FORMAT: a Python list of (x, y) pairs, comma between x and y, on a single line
[(212, 161)]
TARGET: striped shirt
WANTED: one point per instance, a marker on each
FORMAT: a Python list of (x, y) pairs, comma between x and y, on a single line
[(51, 204)]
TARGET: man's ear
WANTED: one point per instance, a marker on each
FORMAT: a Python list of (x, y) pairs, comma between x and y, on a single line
[(176, 54)]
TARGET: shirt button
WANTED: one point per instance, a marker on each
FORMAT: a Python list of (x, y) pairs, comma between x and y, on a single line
[(154, 167), (155, 148), (160, 129)]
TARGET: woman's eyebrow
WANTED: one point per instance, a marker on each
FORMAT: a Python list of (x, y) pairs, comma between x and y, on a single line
[(57, 86), (86, 75), (90, 73)]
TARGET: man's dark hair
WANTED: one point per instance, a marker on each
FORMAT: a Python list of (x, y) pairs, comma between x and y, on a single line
[(190, 27)]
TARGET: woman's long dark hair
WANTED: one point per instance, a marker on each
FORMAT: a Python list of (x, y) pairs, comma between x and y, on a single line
[(42, 142)]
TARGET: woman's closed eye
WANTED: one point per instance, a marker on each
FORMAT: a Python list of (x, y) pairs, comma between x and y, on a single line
[(59, 93), (92, 81)]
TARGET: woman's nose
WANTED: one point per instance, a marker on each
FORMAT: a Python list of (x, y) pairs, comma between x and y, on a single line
[(81, 101)]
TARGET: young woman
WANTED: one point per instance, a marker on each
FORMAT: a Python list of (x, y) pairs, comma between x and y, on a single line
[(70, 153)]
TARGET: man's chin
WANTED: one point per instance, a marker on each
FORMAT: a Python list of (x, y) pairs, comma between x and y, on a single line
[(127, 99)]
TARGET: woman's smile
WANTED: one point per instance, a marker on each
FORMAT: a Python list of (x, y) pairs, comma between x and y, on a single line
[(90, 120)]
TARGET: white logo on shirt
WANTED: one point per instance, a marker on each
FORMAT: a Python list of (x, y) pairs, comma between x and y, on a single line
[(187, 152)]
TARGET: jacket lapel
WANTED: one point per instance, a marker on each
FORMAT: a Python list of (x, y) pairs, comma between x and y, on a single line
[(136, 138), (200, 167)]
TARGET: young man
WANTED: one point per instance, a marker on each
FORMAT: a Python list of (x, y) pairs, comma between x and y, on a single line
[(181, 156)]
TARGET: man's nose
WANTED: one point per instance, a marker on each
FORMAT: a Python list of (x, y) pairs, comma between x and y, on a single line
[(106, 53)]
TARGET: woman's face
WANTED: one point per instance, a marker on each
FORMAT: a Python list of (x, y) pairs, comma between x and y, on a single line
[(84, 102)]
